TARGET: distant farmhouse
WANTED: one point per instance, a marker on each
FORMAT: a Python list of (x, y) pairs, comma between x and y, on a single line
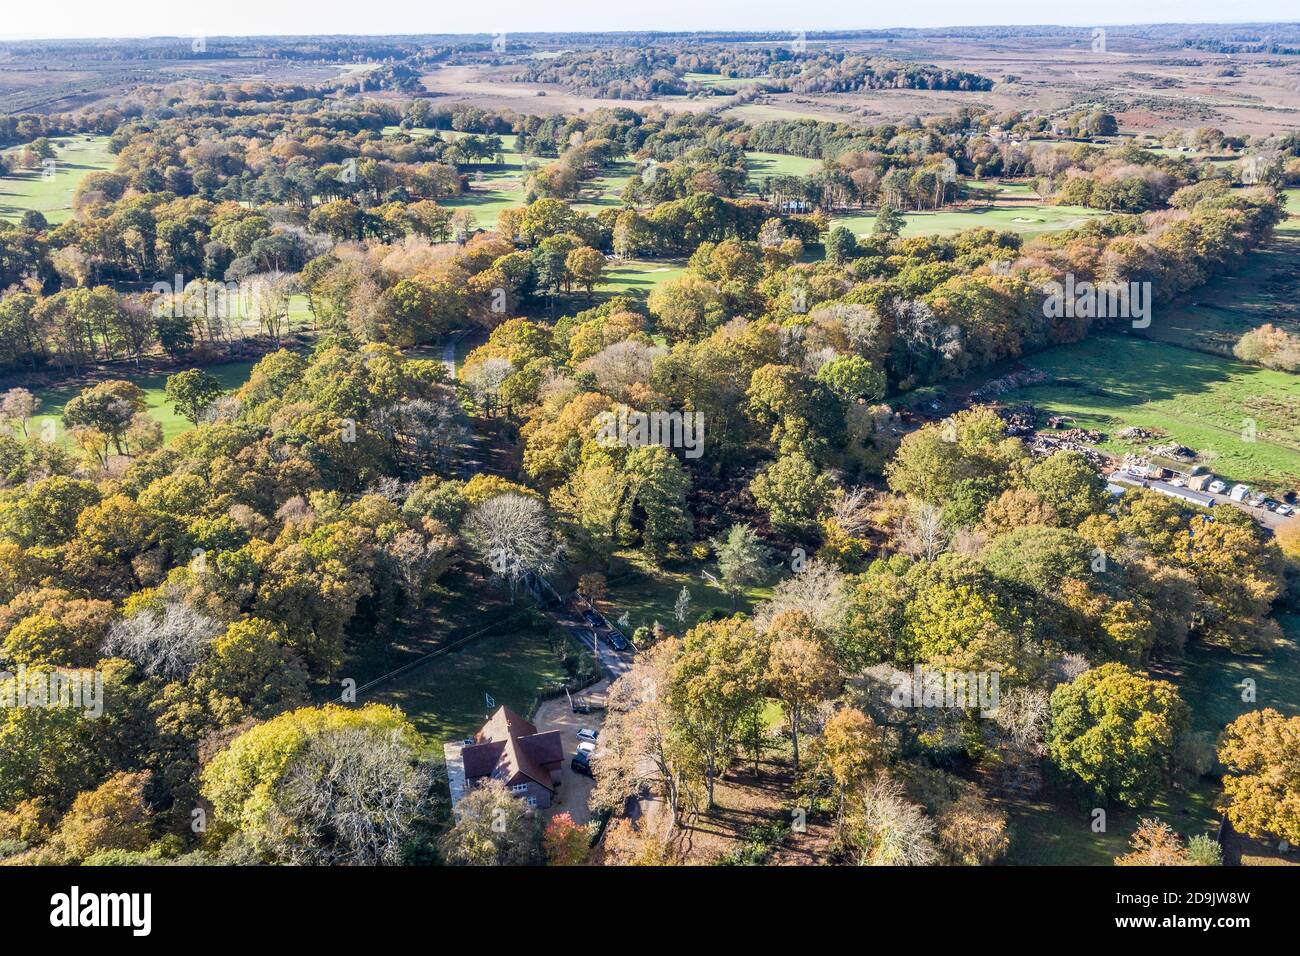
[(509, 749)]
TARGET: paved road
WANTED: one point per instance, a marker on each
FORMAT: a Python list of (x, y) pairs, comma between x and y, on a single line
[(614, 663)]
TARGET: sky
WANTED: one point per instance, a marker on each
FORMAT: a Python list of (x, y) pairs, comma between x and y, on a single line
[(130, 18)]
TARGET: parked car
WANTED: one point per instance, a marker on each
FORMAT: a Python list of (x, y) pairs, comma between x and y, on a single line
[(586, 733), (1271, 504), (1218, 487), (617, 641), (592, 618), (1285, 510), (581, 763), (587, 747)]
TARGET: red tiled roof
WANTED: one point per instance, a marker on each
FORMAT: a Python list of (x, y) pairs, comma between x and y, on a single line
[(509, 747)]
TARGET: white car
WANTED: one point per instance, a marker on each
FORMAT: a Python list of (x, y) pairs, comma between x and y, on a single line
[(587, 747), (586, 733), (1217, 487), (1285, 511)]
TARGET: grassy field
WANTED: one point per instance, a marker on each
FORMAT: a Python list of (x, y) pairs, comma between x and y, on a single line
[(639, 276), (445, 698), (647, 594), (718, 81), (1110, 382), (230, 374), (1265, 288), (763, 112), (762, 165), (75, 158), (1028, 220), (1054, 828), (606, 191)]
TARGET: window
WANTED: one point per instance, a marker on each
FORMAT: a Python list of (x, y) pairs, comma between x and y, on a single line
[(532, 801), (519, 788)]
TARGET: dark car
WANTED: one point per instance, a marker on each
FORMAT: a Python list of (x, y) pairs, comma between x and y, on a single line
[(592, 618), (581, 763), (617, 641)]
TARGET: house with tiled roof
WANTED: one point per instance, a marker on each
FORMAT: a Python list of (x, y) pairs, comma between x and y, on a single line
[(509, 749)]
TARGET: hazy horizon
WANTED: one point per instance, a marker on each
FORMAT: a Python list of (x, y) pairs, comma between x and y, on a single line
[(86, 20)]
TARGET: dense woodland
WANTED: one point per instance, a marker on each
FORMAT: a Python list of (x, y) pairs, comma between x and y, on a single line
[(223, 584)]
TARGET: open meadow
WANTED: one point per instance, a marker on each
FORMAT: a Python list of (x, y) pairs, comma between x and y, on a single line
[(1202, 401), (49, 191)]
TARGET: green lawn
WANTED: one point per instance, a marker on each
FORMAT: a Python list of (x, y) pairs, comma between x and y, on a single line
[(762, 165), (639, 276), (718, 81), (1024, 219), (230, 374), (445, 696), (498, 186), (1212, 680), (606, 190), (75, 158), (1054, 828), (647, 594), (1113, 381)]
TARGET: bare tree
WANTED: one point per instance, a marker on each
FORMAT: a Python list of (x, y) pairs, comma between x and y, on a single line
[(17, 406), (425, 432), (885, 829), (622, 365), (819, 591), (271, 293), (852, 511), (637, 741), (418, 559), (484, 380), (349, 797), (512, 535), (922, 534), (166, 643)]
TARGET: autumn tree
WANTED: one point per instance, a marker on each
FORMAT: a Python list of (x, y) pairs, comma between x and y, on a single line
[(1261, 792), (564, 842), (714, 679), (800, 672), (493, 828), (850, 748)]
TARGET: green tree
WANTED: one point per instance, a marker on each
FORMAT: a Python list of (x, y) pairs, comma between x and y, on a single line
[(889, 221), (792, 492), (742, 561), (1114, 732), (715, 679), (191, 392), (841, 245), (853, 379)]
